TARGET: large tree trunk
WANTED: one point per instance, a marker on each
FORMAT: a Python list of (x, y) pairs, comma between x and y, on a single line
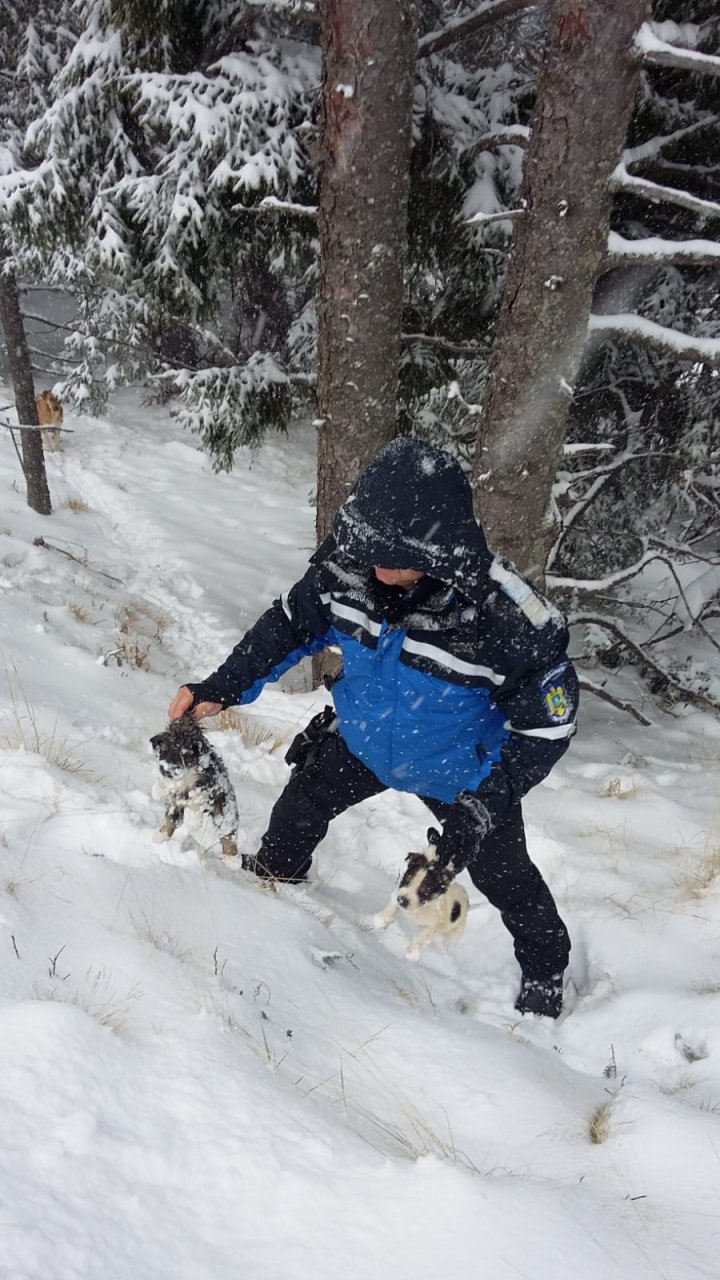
[(369, 52), (585, 95), (33, 457)]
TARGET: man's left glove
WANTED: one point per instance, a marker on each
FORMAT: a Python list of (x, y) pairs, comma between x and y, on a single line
[(466, 825)]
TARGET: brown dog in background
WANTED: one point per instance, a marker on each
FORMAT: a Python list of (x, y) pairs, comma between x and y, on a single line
[(50, 414)]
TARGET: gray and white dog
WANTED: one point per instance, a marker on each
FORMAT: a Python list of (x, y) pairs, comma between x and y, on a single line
[(192, 776), (441, 918)]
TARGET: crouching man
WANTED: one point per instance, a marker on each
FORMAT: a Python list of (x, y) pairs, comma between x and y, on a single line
[(455, 686)]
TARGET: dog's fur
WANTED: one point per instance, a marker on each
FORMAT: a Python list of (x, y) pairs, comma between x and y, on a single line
[(50, 414), (441, 919), (192, 776)]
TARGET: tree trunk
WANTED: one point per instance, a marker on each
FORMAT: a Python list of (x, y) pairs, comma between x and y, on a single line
[(33, 457), (585, 96), (369, 53)]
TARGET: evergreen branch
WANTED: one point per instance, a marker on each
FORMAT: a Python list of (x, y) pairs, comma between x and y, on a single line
[(659, 53), (657, 337), (624, 183), (651, 149), (652, 251), (464, 28)]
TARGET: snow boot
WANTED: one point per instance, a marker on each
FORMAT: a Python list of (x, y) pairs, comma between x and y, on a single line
[(542, 996)]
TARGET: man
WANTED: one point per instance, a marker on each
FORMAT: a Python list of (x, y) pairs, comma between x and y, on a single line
[(455, 686)]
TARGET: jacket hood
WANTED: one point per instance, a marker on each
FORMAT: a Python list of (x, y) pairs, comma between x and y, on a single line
[(411, 508)]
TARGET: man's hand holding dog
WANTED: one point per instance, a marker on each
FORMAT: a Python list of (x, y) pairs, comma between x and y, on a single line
[(183, 701)]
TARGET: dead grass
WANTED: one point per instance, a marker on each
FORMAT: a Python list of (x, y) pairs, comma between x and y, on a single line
[(619, 789), (701, 877), (95, 998), (599, 1127), (160, 939), (252, 732), (19, 731), (75, 504), (79, 610)]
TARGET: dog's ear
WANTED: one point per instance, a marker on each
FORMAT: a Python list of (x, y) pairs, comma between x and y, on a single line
[(156, 741)]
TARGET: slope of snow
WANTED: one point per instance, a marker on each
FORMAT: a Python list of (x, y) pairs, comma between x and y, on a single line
[(201, 1079)]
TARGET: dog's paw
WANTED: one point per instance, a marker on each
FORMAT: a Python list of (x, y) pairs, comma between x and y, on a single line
[(380, 921), (161, 836), (413, 951)]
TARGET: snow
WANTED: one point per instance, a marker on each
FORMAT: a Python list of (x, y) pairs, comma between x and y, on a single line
[(201, 1079)]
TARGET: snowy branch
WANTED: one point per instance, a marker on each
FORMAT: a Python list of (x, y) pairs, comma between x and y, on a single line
[(657, 337), (515, 135), (653, 250), (628, 184), (464, 28), (507, 215), (270, 204), (651, 149), (661, 54)]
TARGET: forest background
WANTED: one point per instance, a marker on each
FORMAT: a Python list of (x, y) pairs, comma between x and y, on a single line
[(490, 226)]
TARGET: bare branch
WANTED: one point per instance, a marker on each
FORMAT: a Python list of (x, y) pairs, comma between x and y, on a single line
[(588, 687), (656, 337), (653, 250), (628, 184), (277, 208), (693, 696), (470, 350), (464, 28)]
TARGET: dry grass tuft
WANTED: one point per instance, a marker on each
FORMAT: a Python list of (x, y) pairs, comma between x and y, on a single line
[(96, 999), (79, 610), (599, 1128), (619, 789), (701, 878), (22, 733), (252, 732), (75, 504)]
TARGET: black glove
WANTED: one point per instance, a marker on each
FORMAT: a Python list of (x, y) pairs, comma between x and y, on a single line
[(467, 823), (304, 744)]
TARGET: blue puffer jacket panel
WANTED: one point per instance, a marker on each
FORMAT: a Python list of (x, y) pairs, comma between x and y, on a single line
[(416, 732)]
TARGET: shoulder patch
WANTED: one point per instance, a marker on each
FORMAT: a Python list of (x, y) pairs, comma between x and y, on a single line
[(537, 610)]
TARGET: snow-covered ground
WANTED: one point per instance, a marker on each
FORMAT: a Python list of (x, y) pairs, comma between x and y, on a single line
[(200, 1080)]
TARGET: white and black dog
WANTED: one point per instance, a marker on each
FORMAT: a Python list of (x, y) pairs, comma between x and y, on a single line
[(191, 776), (441, 918)]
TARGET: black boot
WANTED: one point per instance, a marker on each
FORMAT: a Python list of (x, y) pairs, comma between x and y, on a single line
[(259, 867), (543, 996)]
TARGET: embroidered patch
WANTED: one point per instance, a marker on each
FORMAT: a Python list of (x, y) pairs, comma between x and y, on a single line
[(556, 702)]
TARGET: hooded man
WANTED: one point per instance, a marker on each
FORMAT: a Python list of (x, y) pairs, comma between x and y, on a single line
[(455, 686)]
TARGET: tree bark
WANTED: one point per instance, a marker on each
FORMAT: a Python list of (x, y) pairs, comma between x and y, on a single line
[(585, 96), (33, 457), (369, 53)]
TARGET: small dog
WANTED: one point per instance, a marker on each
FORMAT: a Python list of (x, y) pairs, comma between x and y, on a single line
[(441, 918), (50, 414), (191, 776)]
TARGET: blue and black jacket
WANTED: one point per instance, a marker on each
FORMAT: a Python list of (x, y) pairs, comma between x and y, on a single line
[(462, 683)]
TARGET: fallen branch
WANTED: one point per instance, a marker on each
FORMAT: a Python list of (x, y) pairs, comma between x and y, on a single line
[(50, 546), (600, 692)]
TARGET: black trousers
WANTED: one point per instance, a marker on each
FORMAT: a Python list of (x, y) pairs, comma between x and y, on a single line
[(331, 780)]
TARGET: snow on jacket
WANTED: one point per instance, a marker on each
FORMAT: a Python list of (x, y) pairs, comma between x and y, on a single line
[(460, 684)]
